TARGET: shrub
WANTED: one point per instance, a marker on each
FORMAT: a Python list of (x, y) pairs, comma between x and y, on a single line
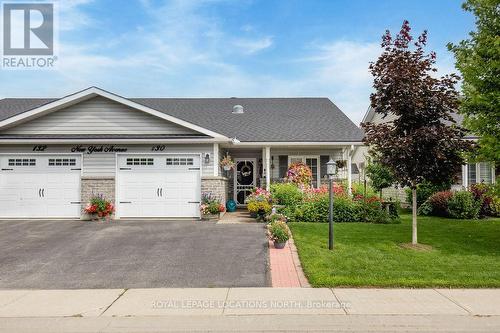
[(484, 194), (439, 203), (286, 194), (462, 205), (495, 206), (373, 210), (278, 232), (425, 190), (317, 210), (359, 189)]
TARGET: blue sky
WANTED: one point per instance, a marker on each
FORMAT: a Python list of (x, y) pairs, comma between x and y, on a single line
[(223, 48)]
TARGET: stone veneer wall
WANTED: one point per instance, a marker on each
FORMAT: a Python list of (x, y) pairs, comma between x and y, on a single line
[(218, 186), (97, 185)]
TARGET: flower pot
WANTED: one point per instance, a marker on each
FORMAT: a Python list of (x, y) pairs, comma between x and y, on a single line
[(278, 245), (210, 217)]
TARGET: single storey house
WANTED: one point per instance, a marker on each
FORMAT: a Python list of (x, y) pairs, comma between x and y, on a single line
[(472, 173), (154, 157)]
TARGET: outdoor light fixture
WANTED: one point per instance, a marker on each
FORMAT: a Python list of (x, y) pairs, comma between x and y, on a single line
[(207, 158), (331, 169)]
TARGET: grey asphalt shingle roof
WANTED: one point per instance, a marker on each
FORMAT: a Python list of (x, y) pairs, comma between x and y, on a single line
[(264, 119)]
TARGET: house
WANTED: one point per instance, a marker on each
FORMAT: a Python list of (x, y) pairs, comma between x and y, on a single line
[(472, 173), (155, 156)]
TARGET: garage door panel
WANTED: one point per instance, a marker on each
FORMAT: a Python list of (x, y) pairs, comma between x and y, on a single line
[(167, 187), (38, 186)]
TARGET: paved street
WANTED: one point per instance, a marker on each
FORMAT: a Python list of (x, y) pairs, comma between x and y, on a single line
[(251, 309), (131, 254)]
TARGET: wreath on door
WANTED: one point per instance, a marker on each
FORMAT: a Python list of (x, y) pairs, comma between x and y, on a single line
[(246, 170)]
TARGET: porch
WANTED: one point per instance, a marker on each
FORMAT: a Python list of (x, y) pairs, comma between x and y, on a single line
[(261, 165)]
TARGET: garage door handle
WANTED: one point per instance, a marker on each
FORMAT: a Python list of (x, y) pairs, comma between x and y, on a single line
[(7, 169), (43, 192), (197, 202), (127, 202), (194, 169), (75, 202), (161, 192), (125, 168), (39, 192), (75, 169)]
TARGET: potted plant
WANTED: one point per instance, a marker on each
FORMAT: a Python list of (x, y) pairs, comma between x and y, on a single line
[(99, 208), (259, 203), (227, 163), (279, 233), (210, 207)]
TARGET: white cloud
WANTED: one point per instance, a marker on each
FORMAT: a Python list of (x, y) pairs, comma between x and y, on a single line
[(251, 46)]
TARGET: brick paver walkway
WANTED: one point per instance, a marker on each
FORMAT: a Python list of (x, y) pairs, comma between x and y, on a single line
[(286, 271)]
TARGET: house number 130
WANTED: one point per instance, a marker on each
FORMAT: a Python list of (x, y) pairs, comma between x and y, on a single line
[(158, 148)]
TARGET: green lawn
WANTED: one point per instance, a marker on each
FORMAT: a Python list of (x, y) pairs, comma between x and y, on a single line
[(464, 254)]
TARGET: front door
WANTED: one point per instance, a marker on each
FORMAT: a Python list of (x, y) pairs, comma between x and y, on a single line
[(244, 179)]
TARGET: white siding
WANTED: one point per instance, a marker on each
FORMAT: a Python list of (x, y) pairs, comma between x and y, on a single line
[(98, 116), (103, 164)]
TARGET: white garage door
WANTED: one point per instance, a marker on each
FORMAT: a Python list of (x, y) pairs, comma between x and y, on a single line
[(159, 185), (40, 186)]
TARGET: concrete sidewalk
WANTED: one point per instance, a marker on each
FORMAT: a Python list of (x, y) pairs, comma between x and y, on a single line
[(57, 310)]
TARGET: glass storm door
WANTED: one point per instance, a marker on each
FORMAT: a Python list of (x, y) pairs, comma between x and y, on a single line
[(244, 179)]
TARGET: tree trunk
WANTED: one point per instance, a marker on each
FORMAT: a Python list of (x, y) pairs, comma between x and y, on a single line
[(414, 216)]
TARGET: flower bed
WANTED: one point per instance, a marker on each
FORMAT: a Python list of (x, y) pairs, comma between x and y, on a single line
[(210, 207)]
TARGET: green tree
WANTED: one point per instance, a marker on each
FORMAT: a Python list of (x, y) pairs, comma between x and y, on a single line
[(419, 144), (380, 176), (478, 60)]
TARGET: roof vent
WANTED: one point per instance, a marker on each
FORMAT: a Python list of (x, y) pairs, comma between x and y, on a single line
[(238, 109)]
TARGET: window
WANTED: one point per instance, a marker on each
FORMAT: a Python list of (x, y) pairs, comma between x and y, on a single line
[(312, 162), (180, 161), (62, 161), (22, 162), (485, 175), (140, 161), (472, 173)]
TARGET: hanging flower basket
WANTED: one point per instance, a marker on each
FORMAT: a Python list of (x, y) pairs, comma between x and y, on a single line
[(227, 163)]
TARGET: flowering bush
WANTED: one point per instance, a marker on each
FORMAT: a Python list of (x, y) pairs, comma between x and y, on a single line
[(210, 204), (462, 205), (299, 173), (99, 206), (259, 202)]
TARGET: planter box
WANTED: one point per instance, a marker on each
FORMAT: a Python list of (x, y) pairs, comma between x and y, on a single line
[(210, 217)]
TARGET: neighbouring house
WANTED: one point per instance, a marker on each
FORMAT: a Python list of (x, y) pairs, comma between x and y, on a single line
[(472, 173), (154, 157)]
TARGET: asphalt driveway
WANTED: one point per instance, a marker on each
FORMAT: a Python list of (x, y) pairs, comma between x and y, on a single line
[(131, 254)]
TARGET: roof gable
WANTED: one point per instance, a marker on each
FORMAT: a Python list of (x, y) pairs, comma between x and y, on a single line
[(48, 106), (99, 116)]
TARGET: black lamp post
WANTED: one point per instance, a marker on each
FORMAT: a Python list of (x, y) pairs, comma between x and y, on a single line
[(331, 168)]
